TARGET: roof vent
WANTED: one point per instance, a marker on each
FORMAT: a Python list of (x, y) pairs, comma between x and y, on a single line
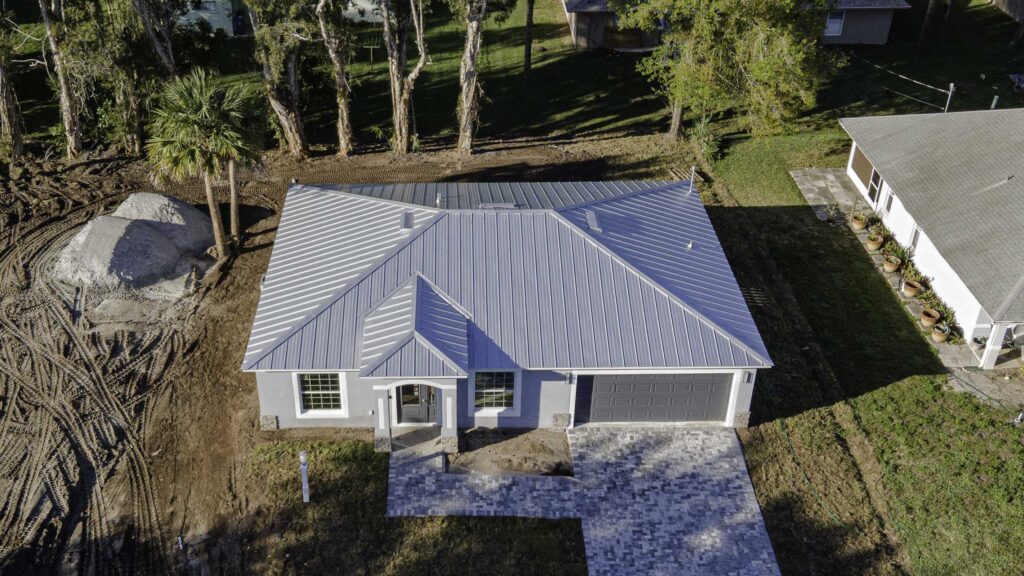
[(689, 245), (437, 199), (592, 222), (408, 220), (498, 205)]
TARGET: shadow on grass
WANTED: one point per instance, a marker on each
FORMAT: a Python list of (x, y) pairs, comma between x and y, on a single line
[(859, 329)]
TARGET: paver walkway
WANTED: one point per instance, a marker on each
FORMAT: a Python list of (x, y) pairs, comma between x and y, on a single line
[(652, 500)]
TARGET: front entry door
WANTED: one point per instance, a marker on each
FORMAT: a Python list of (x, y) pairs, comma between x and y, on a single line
[(416, 404)]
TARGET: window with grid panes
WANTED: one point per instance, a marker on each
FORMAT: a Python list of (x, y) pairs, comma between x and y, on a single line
[(320, 391), (495, 389)]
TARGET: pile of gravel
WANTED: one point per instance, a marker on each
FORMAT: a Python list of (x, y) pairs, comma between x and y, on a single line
[(148, 239)]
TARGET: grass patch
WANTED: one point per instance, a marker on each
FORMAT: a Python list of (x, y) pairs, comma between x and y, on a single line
[(344, 530)]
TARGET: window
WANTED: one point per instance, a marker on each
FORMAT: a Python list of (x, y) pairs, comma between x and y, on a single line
[(206, 5), (494, 390), (888, 203), (874, 186), (914, 237), (834, 23), (319, 394)]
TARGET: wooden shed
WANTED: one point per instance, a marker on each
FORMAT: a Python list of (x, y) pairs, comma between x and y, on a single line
[(594, 25), (861, 21)]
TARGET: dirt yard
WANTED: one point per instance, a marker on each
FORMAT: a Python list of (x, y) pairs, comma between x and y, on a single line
[(539, 452), (126, 424)]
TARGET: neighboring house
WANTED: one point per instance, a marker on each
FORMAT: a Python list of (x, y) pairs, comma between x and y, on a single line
[(500, 305), (219, 14), (861, 21), (951, 187), (593, 24), (1014, 8)]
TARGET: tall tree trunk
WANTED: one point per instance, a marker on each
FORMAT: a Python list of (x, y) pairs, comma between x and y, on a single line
[(929, 23), (337, 50), (218, 226), (528, 39), (236, 227), (952, 8), (158, 26), (10, 114), (675, 128), (402, 84), (467, 109), (284, 100), (1018, 36), (68, 106)]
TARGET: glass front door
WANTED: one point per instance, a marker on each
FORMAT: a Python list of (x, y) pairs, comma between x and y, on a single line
[(417, 404)]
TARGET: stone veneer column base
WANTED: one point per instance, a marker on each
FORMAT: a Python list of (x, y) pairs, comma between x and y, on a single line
[(450, 444), (741, 420), (560, 420), (382, 443)]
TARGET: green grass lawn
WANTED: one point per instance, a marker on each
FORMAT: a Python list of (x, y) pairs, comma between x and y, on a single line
[(344, 530), (952, 468)]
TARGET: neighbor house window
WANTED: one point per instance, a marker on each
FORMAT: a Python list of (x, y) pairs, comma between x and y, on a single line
[(914, 237), (874, 186), (494, 390), (319, 392), (834, 23)]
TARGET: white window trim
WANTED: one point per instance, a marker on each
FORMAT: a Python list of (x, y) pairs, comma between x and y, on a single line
[(517, 396), (842, 22), (297, 392)]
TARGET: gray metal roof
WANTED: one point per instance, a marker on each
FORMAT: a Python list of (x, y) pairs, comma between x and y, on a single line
[(871, 5), (951, 173), (415, 332), (537, 290)]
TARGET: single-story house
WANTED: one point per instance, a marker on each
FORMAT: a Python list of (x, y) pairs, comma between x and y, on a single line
[(517, 305), (593, 25), (861, 21), (951, 187)]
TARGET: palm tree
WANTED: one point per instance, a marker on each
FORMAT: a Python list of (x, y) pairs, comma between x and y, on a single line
[(197, 128)]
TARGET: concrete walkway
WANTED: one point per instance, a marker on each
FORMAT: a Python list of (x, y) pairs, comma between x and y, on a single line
[(652, 500)]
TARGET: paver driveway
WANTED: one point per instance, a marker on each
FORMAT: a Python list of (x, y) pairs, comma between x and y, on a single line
[(652, 500)]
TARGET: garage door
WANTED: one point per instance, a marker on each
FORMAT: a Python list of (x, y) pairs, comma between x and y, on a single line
[(660, 398)]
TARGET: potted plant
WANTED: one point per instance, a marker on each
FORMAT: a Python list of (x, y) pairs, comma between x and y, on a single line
[(910, 288), (875, 241), (892, 263), (859, 221), (977, 343), (940, 332), (929, 317)]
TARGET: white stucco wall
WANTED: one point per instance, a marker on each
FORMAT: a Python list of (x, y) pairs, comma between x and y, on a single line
[(945, 281)]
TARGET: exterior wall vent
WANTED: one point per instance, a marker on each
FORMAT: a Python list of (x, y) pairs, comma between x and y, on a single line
[(592, 221)]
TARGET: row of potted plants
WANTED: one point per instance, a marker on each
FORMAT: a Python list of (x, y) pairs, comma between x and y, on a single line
[(913, 284)]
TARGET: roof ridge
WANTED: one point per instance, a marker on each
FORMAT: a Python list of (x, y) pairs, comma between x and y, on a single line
[(657, 286), (661, 184), (331, 300), (388, 201)]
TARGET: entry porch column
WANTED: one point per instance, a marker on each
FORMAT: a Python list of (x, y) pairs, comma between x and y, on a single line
[(382, 422), (449, 420), (993, 346)]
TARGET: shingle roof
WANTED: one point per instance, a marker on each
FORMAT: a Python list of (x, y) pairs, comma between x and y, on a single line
[(951, 173), (538, 291)]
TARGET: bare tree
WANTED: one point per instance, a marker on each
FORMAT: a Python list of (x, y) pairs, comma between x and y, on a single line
[(930, 16), (10, 113), (68, 103), (953, 7), (396, 31), (158, 19), (468, 111), (336, 34), (528, 39), (277, 48)]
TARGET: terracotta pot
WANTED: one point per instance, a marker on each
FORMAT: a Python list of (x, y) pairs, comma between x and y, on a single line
[(875, 242), (892, 264), (858, 223), (940, 332), (911, 288), (930, 317)]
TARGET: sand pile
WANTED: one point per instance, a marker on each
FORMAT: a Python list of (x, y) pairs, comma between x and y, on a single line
[(150, 241)]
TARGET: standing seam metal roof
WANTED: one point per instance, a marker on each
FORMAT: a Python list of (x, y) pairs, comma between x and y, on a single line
[(544, 293)]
